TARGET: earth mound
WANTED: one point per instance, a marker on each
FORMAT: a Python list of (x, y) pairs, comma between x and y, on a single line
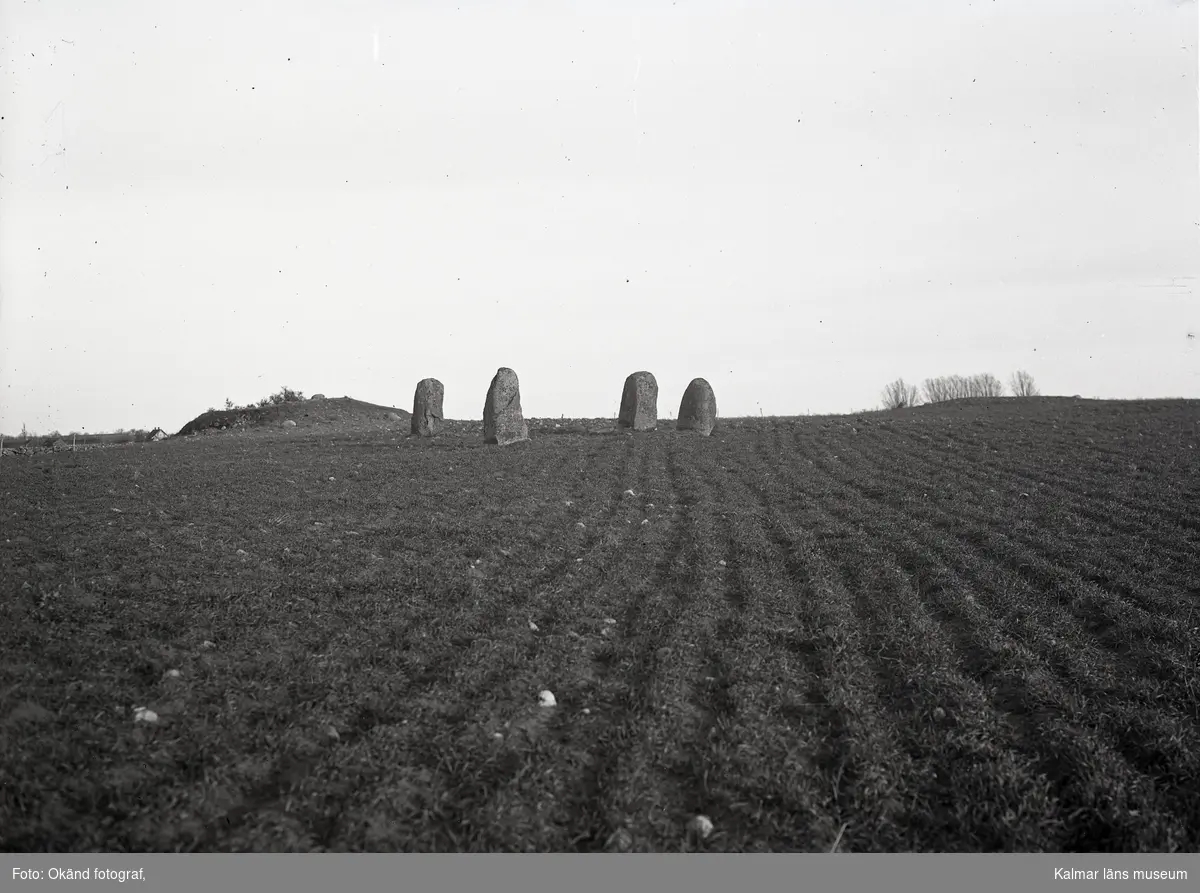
[(331, 413)]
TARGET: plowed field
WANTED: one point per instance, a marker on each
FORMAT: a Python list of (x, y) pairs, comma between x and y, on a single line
[(947, 629)]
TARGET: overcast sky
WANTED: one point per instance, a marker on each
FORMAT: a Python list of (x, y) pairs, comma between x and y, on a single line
[(797, 200)]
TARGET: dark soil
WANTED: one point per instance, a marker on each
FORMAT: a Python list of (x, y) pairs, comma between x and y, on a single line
[(956, 628)]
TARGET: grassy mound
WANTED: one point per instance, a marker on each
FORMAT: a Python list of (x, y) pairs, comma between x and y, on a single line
[(338, 413)]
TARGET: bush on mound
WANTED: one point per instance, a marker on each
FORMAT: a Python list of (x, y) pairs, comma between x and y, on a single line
[(269, 410)]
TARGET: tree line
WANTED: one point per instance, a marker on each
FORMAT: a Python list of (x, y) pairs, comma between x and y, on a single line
[(121, 435), (900, 394)]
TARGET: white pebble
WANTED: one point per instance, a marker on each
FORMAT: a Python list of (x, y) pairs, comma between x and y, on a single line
[(701, 826), (546, 699)]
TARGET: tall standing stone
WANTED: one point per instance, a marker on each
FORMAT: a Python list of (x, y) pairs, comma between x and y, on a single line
[(639, 403), (698, 409), (503, 422), (427, 407)]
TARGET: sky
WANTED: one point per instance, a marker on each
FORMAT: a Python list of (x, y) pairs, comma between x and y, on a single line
[(797, 200)]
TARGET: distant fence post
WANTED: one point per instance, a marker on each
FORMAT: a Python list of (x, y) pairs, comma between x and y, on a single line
[(72, 443)]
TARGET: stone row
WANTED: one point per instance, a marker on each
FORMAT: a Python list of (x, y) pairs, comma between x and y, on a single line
[(504, 423)]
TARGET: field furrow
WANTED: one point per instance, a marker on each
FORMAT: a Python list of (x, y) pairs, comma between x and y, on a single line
[(1119, 503), (951, 736), (956, 629), (1127, 570), (1049, 676)]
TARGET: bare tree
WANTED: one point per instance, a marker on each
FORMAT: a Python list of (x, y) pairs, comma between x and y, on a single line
[(935, 390), (899, 395), (946, 387), (1022, 384), (985, 385), (960, 387)]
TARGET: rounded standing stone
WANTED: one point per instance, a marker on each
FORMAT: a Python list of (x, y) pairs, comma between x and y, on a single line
[(427, 407), (639, 403), (698, 409), (503, 422)]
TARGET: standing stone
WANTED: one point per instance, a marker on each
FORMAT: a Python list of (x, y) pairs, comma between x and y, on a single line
[(639, 403), (502, 420), (698, 409), (427, 407)]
